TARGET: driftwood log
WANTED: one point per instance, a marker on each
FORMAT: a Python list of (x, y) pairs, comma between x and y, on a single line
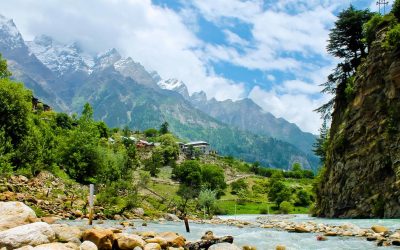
[(205, 244)]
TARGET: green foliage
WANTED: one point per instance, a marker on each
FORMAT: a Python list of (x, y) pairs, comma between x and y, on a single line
[(4, 73), (396, 9), (164, 129), (63, 121), (346, 41), (322, 143), (238, 185), (212, 177), (303, 198), (6, 154), (392, 40), (169, 149), (285, 207), (15, 108), (151, 132), (207, 199), (155, 162), (349, 90), (188, 173)]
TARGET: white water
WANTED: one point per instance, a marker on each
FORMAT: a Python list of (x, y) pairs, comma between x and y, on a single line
[(267, 238)]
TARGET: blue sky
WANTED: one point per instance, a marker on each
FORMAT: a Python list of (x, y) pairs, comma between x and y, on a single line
[(270, 51)]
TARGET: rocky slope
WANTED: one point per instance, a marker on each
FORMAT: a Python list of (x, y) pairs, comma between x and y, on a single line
[(362, 177)]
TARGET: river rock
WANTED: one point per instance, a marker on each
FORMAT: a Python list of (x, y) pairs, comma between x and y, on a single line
[(34, 234), (149, 234), (152, 246), (301, 229), (379, 229), (88, 245), (249, 248), (103, 238), (129, 241), (209, 235), (161, 241), (280, 247), (173, 239), (138, 211), (56, 246), (49, 219), (224, 246), (171, 217), (13, 214), (66, 233)]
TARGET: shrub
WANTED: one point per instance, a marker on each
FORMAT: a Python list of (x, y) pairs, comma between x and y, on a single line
[(285, 207), (393, 38)]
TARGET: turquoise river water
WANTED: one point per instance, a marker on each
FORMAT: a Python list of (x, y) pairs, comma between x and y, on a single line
[(269, 238)]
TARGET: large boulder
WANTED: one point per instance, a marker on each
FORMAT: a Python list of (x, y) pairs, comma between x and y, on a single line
[(65, 233), (34, 234), (88, 245), (173, 239), (102, 238), (129, 241), (224, 246), (13, 214)]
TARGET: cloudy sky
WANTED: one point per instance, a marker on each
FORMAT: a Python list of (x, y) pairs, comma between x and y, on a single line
[(270, 51)]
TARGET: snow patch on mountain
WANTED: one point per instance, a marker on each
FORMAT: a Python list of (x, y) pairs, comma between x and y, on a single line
[(59, 58), (175, 85)]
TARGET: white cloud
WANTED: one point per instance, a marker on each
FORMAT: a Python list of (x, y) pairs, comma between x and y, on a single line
[(294, 107), (157, 37)]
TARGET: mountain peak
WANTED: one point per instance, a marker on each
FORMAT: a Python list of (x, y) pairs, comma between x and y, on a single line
[(199, 97), (107, 58), (43, 40), (175, 85), (10, 38)]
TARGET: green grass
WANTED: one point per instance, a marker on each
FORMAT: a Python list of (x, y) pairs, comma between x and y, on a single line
[(246, 208)]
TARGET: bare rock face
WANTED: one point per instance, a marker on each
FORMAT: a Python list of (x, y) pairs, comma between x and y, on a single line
[(362, 177), (34, 234), (13, 214), (66, 233)]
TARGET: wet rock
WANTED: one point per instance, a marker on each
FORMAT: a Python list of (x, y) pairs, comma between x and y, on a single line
[(129, 241), (13, 214), (280, 247), (331, 234), (322, 238), (209, 235), (224, 246), (379, 229), (301, 229), (396, 242), (32, 234), (88, 245), (249, 248), (102, 238)]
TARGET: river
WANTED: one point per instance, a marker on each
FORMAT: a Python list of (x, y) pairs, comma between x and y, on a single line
[(269, 238)]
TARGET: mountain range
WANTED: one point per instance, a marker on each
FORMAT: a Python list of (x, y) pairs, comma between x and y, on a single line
[(123, 93)]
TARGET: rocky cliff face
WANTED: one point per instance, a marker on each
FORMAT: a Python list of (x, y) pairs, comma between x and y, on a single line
[(362, 177)]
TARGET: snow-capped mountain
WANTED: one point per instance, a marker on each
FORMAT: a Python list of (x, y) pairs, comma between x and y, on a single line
[(129, 68), (175, 85), (10, 35), (59, 58)]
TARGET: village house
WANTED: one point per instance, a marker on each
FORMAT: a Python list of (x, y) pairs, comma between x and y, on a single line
[(195, 148)]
